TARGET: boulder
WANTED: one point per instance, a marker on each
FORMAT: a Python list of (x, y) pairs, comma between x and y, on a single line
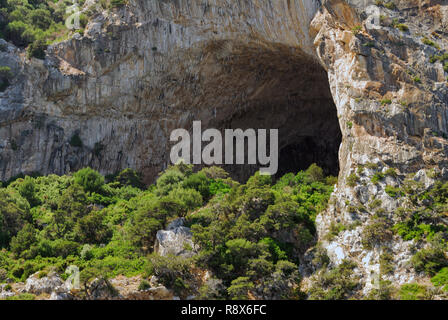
[(47, 284), (176, 240)]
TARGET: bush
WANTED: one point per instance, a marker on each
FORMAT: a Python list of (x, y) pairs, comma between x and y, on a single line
[(377, 177), (441, 279), (412, 291), (89, 179), (173, 272), (430, 260), (335, 284), (37, 49), (393, 192), (129, 177), (376, 232), (5, 77), (240, 288), (144, 285), (315, 173), (402, 27), (117, 3), (75, 141), (352, 180)]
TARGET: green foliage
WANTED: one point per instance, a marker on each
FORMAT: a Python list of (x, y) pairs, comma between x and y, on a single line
[(34, 24), (377, 177), (357, 30), (352, 180), (429, 42), (144, 285), (240, 288), (75, 141), (129, 177), (117, 3), (250, 236), (13, 212), (335, 284), (173, 272), (334, 230), (432, 259), (5, 77), (393, 192), (441, 279), (386, 262), (391, 172), (386, 102), (24, 239), (89, 179), (412, 291), (402, 27), (376, 232), (390, 5)]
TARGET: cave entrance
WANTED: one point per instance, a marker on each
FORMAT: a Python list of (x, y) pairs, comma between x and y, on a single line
[(278, 87)]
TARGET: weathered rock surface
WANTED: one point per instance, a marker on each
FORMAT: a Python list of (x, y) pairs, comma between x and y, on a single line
[(46, 284), (176, 240), (319, 70)]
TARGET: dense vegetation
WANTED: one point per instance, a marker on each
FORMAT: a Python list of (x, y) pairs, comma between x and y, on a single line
[(34, 24), (249, 235)]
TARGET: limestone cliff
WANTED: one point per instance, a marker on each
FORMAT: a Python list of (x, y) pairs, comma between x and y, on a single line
[(351, 90)]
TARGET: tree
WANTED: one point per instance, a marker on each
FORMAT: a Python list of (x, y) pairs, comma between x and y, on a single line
[(37, 49), (89, 179), (27, 189), (92, 229), (129, 177), (240, 288), (14, 211), (24, 239), (315, 173)]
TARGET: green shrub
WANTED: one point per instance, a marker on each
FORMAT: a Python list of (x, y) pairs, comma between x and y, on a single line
[(240, 288), (5, 77), (386, 102), (376, 232), (441, 279), (144, 285), (22, 296), (129, 177), (377, 177), (356, 30), (393, 192), (412, 291), (429, 42), (430, 260), (89, 179), (390, 5), (386, 262), (37, 49), (334, 230), (402, 27), (75, 141), (335, 284), (117, 3), (352, 180), (391, 172)]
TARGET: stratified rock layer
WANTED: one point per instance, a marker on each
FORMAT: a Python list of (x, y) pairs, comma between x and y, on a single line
[(319, 70)]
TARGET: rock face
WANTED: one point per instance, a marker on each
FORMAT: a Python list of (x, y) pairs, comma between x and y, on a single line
[(176, 240), (344, 91), (47, 284)]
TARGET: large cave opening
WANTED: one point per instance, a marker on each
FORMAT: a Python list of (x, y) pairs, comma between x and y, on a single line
[(278, 87)]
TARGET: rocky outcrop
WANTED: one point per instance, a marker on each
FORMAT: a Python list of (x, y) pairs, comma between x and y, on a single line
[(352, 86), (47, 284), (175, 240)]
